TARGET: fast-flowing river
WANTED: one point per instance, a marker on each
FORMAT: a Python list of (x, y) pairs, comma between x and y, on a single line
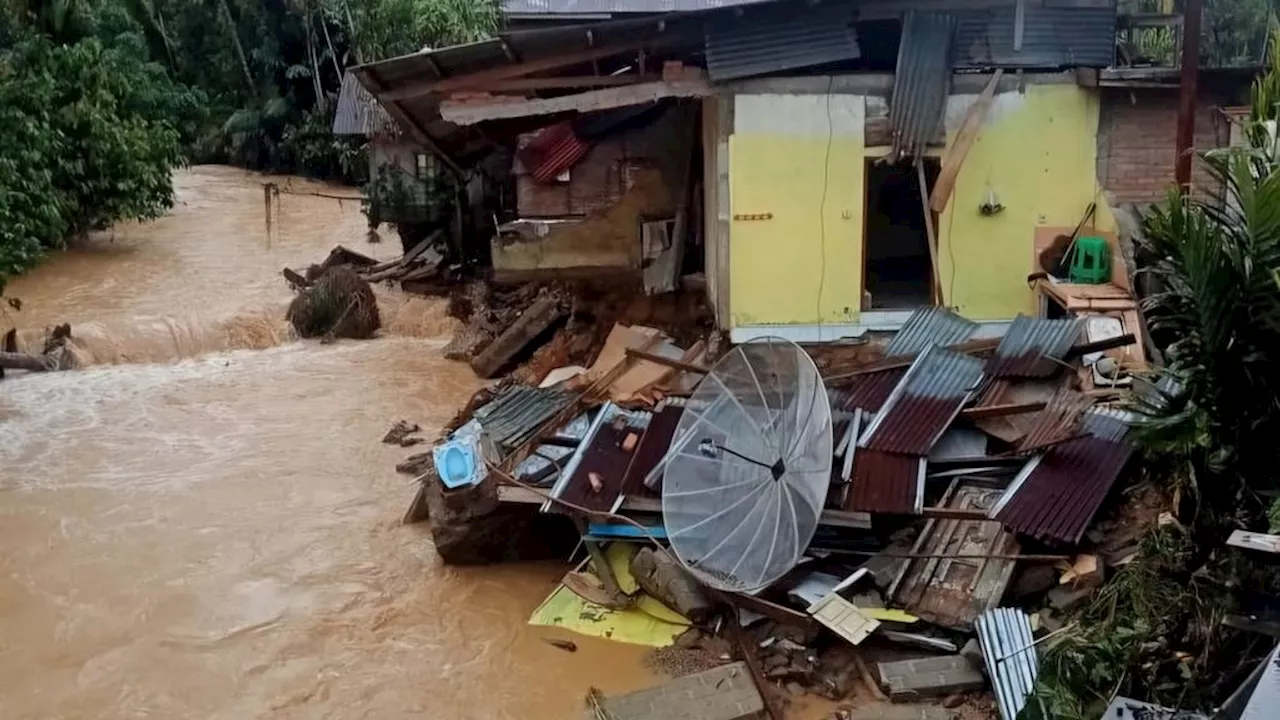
[(202, 522)]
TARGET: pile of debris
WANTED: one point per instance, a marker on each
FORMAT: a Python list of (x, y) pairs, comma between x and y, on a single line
[(420, 270), (955, 522)]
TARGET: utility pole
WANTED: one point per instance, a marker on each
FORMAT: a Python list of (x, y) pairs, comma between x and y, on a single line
[(1190, 73)]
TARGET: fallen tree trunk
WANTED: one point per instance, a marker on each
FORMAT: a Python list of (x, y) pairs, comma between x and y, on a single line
[(27, 361)]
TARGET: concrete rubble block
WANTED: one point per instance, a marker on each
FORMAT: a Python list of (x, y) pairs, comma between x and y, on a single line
[(723, 693), (972, 652), (881, 711), (908, 680)]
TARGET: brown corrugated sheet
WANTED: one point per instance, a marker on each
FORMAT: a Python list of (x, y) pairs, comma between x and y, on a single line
[(1058, 498), (869, 390), (924, 403), (952, 592), (605, 457), (1034, 347), (653, 446), (1058, 422), (552, 151), (884, 482)]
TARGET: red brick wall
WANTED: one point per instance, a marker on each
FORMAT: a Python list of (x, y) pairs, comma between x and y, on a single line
[(1137, 140)]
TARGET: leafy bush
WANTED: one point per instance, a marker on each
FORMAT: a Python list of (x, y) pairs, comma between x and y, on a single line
[(90, 140)]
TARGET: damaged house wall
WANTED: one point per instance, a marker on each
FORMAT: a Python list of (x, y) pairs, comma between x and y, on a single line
[(797, 259), (622, 180)]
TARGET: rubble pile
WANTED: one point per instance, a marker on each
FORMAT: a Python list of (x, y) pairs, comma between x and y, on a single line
[(967, 477)]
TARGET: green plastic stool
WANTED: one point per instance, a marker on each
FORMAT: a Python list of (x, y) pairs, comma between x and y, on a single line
[(1090, 261)]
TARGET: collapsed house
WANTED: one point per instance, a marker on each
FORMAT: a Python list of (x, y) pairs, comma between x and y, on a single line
[(828, 168)]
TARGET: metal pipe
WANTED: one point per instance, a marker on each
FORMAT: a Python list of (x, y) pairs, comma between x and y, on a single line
[(1190, 72)]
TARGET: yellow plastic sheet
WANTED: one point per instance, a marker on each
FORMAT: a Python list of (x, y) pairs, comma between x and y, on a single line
[(889, 615), (649, 622)]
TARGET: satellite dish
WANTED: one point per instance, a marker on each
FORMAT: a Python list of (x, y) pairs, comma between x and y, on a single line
[(749, 467)]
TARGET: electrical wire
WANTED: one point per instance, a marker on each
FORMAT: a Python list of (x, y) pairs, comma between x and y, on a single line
[(822, 204)]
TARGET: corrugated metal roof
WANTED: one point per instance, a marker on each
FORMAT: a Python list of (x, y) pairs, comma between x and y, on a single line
[(1034, 347), (869, 390), (358, 113), (517, 413), (930, 325), (1058, 422), (1051, 37), (924, 403), (1105, 424), (886, 483), (921, 81), (1010, 656), (1057, 494), (653, 446), (606, 458), (772, 41), (551, 151), (588, 8)]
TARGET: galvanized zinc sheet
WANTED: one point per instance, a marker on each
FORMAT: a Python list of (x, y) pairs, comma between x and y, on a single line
[(771, 41), (927, 326), (358, 113), (924, 403), (921, 82), (1056, 496), (517, 413), (1051, 37), (1034, 347), (1004, 634), (869, 390), (886, 483)]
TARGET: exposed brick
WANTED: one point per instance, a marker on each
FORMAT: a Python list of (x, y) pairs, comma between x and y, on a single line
[(1140, 128), (723, 693)]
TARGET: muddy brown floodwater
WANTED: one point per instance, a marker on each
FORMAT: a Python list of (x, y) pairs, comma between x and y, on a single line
[(203, 523)]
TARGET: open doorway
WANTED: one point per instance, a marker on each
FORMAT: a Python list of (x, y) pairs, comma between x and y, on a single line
[(898, 271)]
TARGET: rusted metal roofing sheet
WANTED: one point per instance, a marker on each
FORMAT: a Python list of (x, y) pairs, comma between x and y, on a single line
[(551, 151), (517, 412), (1009, 651), (774, 39), (869, 390), (606, 457), (886, 482), (927, 326), (1105, 424), (1055, 497), (1058, 422), (1034, 347), (653, 446), (952, 592), (924, 403), (921, 82)]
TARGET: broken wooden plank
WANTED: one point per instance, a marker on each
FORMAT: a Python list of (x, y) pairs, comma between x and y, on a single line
[(993, 411), (26, 361), (954, 158), (535, 320)]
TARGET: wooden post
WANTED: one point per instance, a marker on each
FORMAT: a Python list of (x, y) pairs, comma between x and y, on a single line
[(1190, 73)]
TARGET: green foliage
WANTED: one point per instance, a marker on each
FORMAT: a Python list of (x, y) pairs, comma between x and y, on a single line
[(388, 28), (91, 139)]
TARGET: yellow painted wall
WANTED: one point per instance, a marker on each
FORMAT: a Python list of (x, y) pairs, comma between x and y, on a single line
[(798, 159), (1037, 152)]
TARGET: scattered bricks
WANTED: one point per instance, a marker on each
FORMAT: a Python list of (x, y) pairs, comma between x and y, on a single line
[(723, 693), (909, 680), (881, 711)]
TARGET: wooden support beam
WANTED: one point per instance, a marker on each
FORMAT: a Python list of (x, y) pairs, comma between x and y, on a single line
[(1101, 345), (773, 611), (902, 361), (666, 361), (575, 81), (480, 80), (537, 318), (404, 120), (947, 513), (994, 411)]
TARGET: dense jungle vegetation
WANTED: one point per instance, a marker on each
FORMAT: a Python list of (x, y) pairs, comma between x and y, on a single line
[(100, 99)]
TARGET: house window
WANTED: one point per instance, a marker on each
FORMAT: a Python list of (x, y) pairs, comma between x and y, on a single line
[(424, 166)]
